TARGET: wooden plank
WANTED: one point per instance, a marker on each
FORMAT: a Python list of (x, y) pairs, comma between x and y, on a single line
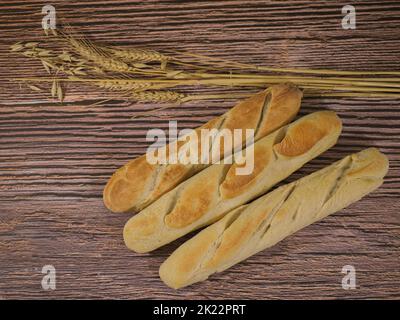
[(55, 158)]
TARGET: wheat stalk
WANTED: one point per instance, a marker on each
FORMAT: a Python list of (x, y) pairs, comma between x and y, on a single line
[(245, 82), (89, 60), (198, 58)]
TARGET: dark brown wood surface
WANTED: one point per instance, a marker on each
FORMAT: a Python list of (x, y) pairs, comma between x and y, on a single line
[(55, 158)]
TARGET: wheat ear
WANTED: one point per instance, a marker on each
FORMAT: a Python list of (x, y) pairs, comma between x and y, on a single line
[(91, 53), (159, 96), (139, 55), (122, 85)]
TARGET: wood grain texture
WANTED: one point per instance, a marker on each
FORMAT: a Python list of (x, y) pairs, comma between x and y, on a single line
[(55, 158)]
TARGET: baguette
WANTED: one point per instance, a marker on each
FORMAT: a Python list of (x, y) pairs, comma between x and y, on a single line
[(139, 183), (207, 196), (271, 218)]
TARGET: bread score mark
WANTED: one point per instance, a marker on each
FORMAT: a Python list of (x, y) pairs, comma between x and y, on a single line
[(190, 208), (306, 134), (234, 184)]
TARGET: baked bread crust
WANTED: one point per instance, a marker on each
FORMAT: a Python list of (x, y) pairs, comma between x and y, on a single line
[(261, 224), (207, 196), (138, 183)]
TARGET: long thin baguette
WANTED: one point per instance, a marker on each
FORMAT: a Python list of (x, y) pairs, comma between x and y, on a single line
[(139, 183), (271, 218), (213, 192)]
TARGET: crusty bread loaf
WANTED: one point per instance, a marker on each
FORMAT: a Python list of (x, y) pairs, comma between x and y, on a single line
[(274, 216), (139, 183), (207, 196)]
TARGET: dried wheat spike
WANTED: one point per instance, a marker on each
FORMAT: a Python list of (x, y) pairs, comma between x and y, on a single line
[(123, 85), (139, 55), (89, 52), (159, 96)]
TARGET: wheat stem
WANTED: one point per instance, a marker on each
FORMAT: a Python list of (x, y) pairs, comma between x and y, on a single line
[(288, 70), (234, 82)]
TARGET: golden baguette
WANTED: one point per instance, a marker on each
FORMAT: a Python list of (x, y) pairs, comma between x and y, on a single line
[(139, 183), (264, 222), (207, 196)]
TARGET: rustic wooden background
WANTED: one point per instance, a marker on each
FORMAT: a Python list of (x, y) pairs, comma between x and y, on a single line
[(55, 158)]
